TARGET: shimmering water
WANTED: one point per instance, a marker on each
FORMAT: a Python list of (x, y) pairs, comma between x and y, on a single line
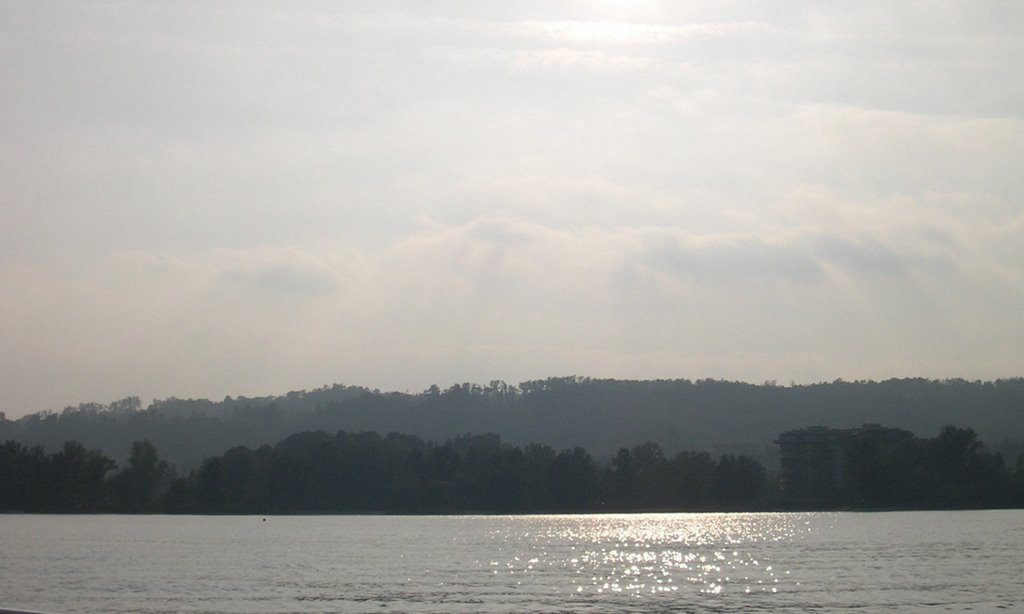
[(909, 561)]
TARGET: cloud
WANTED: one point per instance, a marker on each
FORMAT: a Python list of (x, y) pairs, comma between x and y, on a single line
[(870, 256), (254, 199), (728, 260), (482, 297), (619, 32), (489, 263), (579, 58), (278, 272), (793, 257)]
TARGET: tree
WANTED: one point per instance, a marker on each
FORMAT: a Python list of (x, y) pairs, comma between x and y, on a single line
[(694, 476), (739, 482), (79, 478), (620, 485), (573, 480), (138, 486)]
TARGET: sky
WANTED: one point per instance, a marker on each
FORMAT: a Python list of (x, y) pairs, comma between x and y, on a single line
[(247, 198)]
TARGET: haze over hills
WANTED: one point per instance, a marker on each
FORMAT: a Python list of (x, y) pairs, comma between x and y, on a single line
[(599, 415)]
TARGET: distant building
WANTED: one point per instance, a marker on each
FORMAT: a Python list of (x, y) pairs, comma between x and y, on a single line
[(814, 460)]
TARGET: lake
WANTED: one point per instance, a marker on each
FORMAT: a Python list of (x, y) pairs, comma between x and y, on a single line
[(892, 561)]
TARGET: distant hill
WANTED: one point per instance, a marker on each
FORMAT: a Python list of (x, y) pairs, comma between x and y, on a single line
[(600, 415)]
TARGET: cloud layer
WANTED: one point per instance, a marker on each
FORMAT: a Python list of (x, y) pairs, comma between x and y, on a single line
[(258, 198)]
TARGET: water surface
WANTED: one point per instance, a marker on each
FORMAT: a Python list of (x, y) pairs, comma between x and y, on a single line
[(900, 561)]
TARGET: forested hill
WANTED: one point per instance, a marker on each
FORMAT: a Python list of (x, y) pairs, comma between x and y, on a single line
[(599, 415)]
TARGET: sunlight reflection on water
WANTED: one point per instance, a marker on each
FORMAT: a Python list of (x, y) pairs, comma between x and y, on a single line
[(651, 554), (623, 563)]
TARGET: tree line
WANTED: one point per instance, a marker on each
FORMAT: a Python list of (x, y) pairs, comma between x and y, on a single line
[(951, 470), (599, 415), (315, 472)]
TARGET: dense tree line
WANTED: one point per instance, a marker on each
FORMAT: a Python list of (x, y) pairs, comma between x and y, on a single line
[(951, 470), (315, 472), (566, 412), (78, 480)]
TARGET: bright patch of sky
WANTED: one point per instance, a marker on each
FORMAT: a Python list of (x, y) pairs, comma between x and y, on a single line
[(250, 198)]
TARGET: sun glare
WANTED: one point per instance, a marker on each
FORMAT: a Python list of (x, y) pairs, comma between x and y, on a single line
[(598, 31), (627, 10), (607, 31), (613, 21)]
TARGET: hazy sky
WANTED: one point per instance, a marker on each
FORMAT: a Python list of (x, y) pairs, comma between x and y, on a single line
[(248, 198)]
